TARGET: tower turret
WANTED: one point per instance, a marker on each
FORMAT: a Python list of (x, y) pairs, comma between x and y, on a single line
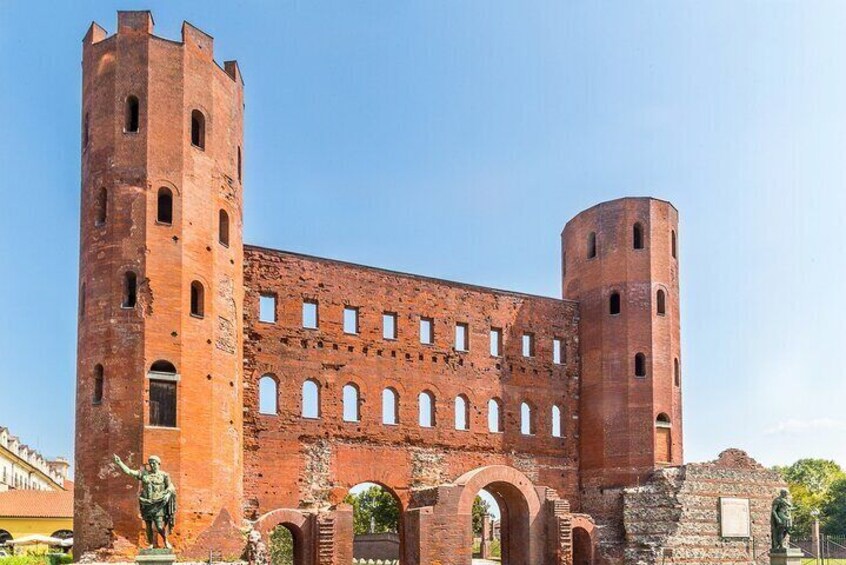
[(620, 261), (161, 282)]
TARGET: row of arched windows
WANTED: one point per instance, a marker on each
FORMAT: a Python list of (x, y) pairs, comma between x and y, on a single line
[(638, 241), (164, 212), (615, 304), (426, 412)]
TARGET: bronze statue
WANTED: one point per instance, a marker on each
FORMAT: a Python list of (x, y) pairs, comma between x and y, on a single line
[(157, 499), (781, 521)]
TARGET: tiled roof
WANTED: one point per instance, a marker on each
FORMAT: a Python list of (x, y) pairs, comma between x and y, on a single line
[(36, 503)]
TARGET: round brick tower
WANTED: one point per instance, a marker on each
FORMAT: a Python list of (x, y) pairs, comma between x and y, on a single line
[(161, 285), (620, 261)]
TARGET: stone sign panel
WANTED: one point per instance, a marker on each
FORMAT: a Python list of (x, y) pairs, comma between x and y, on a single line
[(734, 518)]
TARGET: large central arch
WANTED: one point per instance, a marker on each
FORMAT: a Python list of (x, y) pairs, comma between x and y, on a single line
[(520, 505)]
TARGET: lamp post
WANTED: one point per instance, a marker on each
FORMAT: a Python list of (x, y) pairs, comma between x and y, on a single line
[(816, 537)]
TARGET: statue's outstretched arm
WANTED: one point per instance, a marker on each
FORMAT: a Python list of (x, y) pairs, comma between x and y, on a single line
[(122, 466)]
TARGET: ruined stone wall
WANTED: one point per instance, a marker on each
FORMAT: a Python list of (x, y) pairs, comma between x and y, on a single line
[(674, 517), (294, 462)]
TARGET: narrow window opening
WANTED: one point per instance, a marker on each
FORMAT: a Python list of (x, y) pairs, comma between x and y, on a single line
[(101, 209), (98, 384), (85, 131), (676, 372), (527, 425), (197, 299), (350, 320), (495, 416), (268, 395), (673, 243), (661, 302), (130, 290), (462, 332), (310, 319), (614, 303), (637, 236), (426, 405), (198, 129), (131, 123), (591, 245), (556, 421), (164, 214), (389, 325), (82, 301), (427, 331), (351, 403), (390, 407), (267, 308), (496, 342), (528, 345), (163, 403), (640, 365), (462, 413), (557, 351), (223, 228), (239, 163), (311, 399)]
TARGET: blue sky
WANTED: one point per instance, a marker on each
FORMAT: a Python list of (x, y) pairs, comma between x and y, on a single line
[(455, 139)]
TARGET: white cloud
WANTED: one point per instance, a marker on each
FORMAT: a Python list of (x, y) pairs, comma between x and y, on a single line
[(794, 425)]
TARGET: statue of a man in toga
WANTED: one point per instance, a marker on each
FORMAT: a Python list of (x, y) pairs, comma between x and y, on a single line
[(781, 520), (157, 499)]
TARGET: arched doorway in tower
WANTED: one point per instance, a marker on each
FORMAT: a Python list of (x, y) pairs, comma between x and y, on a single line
[(511, 529), (286, 545), (377, 522), (582, 547)]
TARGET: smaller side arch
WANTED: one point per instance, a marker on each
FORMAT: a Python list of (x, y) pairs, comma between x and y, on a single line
[(301, 526)]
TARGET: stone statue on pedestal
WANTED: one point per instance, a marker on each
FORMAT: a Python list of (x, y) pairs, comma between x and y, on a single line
[(157, 499), (781, 520)]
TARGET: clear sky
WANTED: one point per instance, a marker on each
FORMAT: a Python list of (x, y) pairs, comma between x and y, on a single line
[(455, 139)]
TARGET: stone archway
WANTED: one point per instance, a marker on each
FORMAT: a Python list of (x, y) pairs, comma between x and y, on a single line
[(584, 532), (300, 526), (521, 528)]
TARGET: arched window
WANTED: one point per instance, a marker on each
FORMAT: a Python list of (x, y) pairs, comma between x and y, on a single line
[(268, 395), (614, 303), (637, 236), (197, 299), (131, 118), (101, 209), (527, 424), (462, 413), (130, 289), (164, 209), (494, 416), (591, 245), (98, 384), (85, 131), (351, 403), (390, 407), (223, 228), (661, 302), (198, 129), (640, 365), (677, 372), (426, 404), (163, 367), (311, 399), (239, 163), (673, 243), (556, 421)]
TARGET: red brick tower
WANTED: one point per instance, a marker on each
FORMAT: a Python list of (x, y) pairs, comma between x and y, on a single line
[(160, 351), (620, 262)]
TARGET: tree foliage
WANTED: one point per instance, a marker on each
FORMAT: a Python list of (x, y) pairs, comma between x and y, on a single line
[(374, 511), (480, 509), (812, 487), (281, 546)]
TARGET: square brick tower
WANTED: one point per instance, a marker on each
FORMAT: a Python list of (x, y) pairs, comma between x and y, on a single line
[(160, 354)]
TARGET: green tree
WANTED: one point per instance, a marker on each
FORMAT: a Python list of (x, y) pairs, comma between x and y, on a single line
[(480, 509), (810, 482), (376, 508), (834, 510), (281, 546)]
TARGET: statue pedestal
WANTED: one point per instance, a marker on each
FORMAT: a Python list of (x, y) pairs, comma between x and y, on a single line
[(157, 556), (789, 556)]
